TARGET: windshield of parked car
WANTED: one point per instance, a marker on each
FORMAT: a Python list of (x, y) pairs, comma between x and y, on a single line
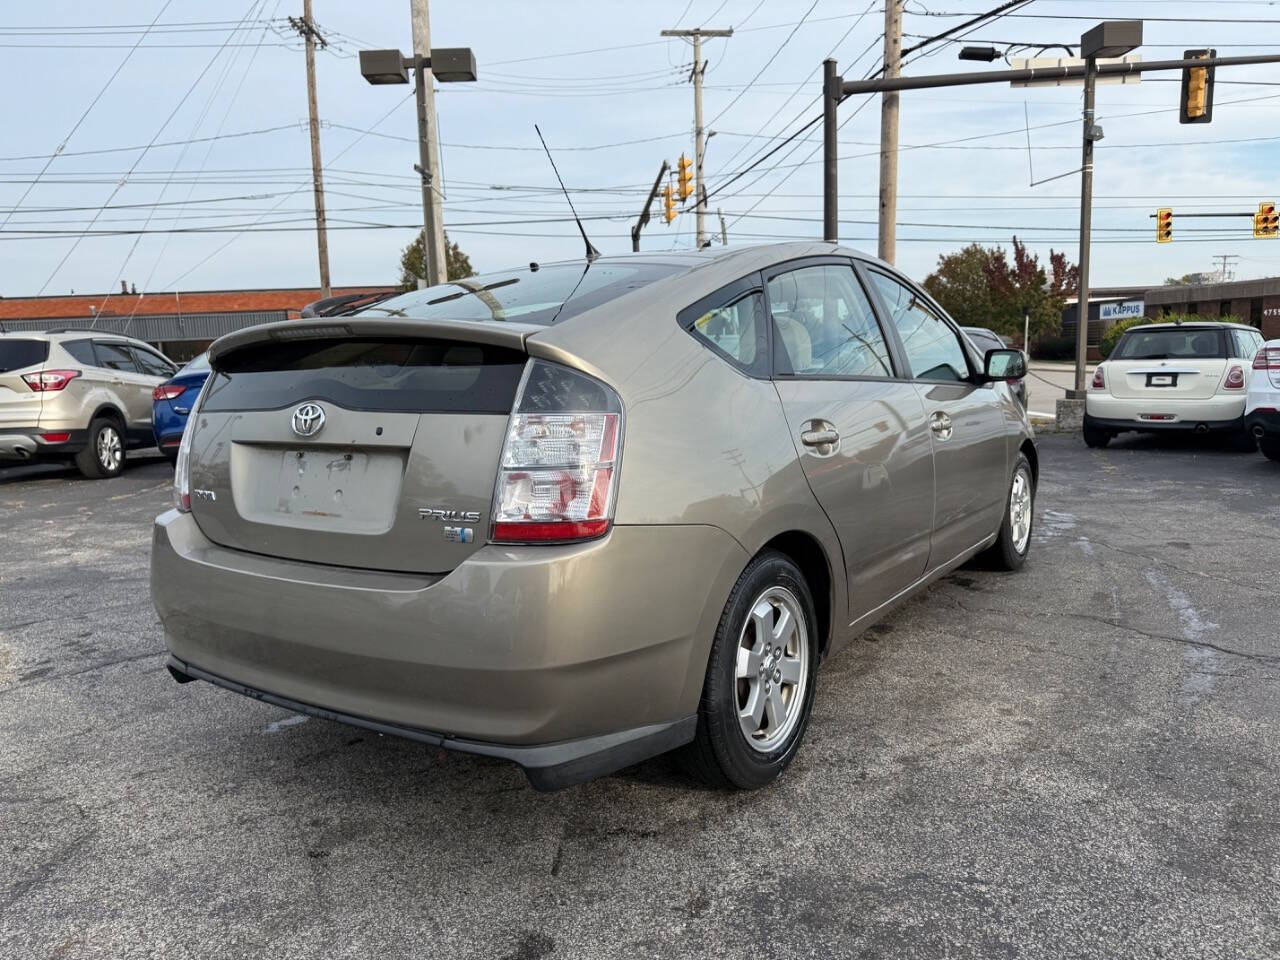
[(1174, 343), (16, 354), (528, 295)]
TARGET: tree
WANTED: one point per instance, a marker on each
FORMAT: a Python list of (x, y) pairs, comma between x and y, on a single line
[(979, 287), (1189, 279), (457, 263)]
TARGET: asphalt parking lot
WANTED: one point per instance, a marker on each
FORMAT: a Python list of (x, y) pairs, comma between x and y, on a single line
[(1078, 760)]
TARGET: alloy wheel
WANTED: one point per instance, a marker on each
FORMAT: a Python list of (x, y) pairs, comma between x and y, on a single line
[(1020, 510), (772, 669), (110, 449)]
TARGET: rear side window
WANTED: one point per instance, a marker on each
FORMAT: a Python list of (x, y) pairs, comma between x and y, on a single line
[(16, 354), (1247, 344), (152, 364), (82, 350), (545, 295), (734, 329), (417, 376), (1172, 343), (825, 325), (115, 356)]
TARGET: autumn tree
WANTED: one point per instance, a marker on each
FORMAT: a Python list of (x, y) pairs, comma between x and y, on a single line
[(457, 263), (980, 287)]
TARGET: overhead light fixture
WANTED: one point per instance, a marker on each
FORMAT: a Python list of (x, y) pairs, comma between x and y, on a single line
[(985, 54)]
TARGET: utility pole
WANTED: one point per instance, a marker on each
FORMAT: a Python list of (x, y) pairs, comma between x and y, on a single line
[(1226, 273), (433, 251), (724, 231), (307, 28), (700, 143), (888, 242)]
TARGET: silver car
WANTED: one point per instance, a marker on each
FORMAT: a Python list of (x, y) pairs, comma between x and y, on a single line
[(574, 515)]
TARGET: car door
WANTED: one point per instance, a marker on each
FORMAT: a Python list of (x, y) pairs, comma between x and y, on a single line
[(858, 425), (967, 418), (130, 384)]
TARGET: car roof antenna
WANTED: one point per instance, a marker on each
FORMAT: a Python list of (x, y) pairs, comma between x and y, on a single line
[(592, 252)]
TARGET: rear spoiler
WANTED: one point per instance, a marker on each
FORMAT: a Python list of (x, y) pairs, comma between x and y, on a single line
[(497, 333)]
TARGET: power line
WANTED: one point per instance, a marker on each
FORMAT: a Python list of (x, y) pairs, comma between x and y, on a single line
[(168, 119), (768, 63), (89, 109)]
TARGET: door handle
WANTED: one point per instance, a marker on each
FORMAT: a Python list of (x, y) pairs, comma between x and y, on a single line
[(819, 438), (940, 424)]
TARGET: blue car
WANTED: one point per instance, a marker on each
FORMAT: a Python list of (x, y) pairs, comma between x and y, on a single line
[(171, 403)]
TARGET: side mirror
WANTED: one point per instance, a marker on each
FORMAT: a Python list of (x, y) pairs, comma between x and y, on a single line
[(1004, 365)]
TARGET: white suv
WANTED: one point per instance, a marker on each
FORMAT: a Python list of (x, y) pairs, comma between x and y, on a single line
[(1262, 406), (1173, 376), (79, 396)]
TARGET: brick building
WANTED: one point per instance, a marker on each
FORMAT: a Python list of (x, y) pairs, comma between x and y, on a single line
[(180, 324)]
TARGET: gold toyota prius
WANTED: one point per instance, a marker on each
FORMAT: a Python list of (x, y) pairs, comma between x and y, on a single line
[(577, 514)]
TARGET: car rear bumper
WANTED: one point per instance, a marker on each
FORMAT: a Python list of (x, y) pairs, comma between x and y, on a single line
[(572, 660), (29, 444), (1263, 424), (1114, 413)]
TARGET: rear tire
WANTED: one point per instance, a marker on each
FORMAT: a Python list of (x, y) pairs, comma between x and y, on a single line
[(758, 692), (1270, 447), (1095, 437), (103, 456), (1013, 543)]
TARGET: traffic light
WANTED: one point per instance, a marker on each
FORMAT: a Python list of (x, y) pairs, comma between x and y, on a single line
[(1164, 225), (1266, 222), (1197, 89), (669, 202), (684, 175)]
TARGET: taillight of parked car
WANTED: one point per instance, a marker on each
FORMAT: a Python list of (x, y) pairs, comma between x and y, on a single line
[(1099, 381), (49, 381), (1235, 379), (182, 464), (167, 391), (559, 469), (1268, 358)]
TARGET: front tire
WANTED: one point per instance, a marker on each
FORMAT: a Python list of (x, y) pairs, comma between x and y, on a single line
[(1010, 550), (758, 692), (104, 455)]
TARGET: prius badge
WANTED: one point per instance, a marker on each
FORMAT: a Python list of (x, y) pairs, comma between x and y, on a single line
[(453, 534)]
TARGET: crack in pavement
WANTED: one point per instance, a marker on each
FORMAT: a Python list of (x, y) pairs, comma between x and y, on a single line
[(1259, 658)]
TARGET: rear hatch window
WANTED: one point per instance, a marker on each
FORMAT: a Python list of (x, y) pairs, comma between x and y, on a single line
[(543, 295), (17, 354), (420, 376), (1175, 343)]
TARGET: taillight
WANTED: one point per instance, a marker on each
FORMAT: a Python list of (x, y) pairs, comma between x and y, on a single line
[(55, 437), (1268, 358), (167, 391), (1235, 379), (48, 381), (1099, 381), (182, 463), (559, 468)]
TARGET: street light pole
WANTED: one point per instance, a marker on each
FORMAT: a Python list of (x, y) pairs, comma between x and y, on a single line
[(429, 149), (1091, 134), (448, 65), (432, 255)]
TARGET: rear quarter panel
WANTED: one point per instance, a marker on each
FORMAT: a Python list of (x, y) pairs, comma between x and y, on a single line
[(704, 443)]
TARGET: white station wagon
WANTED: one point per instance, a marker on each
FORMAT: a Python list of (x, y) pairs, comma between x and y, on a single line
[(1173, 376)]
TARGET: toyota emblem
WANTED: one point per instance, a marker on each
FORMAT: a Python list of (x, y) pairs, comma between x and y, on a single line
[(308, 419)]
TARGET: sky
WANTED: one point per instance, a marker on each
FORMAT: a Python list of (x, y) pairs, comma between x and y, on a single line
[(613, 100)]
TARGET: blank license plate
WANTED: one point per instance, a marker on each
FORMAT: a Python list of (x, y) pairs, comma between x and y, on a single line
[(1162, 380)]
